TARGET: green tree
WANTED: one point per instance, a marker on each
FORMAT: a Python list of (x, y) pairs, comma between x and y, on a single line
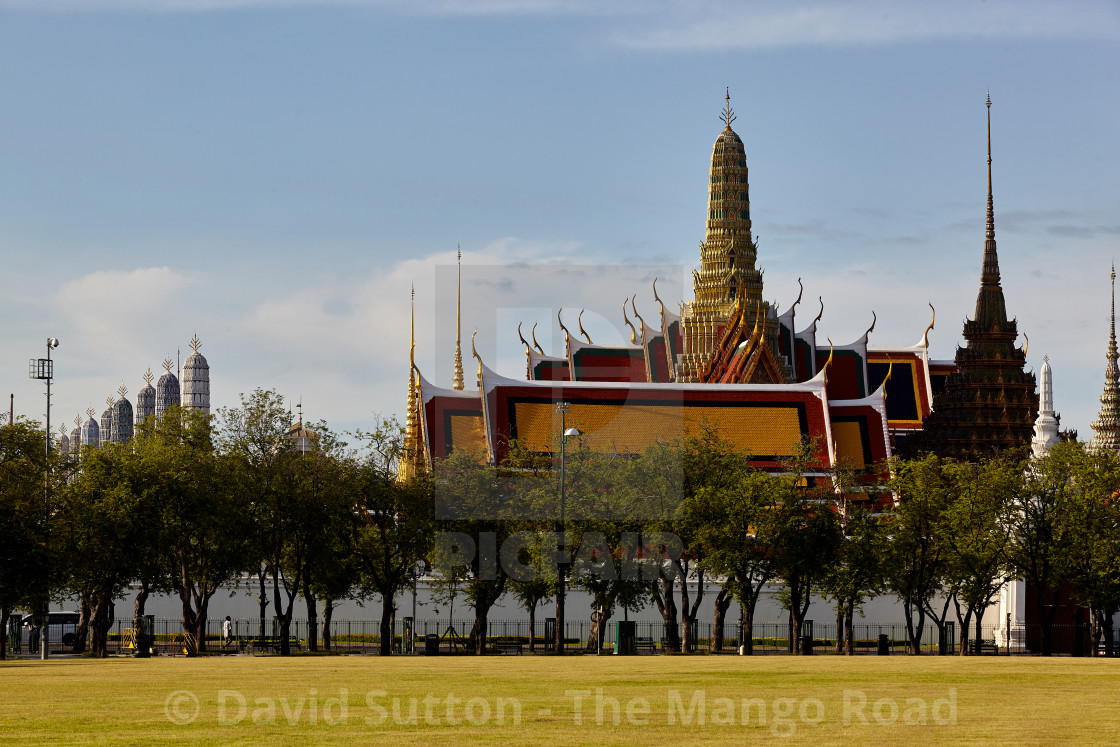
[(977, 533), (805, 536), (857, 572), (206, 519), (25, 558), (1043, 532), (914, 559), (1093, 556), (394, 527)]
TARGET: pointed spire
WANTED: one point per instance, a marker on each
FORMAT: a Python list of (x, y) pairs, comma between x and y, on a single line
[(410, 454), (457, 381), (991, 260), (195, 343)]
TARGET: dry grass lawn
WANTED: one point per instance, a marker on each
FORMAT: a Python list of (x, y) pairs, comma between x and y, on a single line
[(548, 700)]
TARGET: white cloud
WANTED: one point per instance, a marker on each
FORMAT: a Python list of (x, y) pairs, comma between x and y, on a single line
[(715, 24)]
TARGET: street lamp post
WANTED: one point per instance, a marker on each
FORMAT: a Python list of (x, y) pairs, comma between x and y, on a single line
[(43, 368), (563, 408)]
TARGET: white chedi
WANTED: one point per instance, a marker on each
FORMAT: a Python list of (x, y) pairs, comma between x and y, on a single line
[(1046, 426)]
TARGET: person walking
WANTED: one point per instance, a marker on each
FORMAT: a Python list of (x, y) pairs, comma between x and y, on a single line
[(227, 632), (33, 637)]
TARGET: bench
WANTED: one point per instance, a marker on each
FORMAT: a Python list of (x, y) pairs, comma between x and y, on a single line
[(508, 644), (989, 647), (647, 643), (272, 644)]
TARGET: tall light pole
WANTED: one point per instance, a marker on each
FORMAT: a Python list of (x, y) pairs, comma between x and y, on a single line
[(43, 368), (563, 408)]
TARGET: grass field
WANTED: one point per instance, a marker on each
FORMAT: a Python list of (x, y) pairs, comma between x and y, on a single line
[(547, 700)]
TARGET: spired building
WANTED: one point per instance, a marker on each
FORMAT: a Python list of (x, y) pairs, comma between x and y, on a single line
[(1106, 428), (122, 418), (146, 399), (989, 403), (728, 286), (167, 390), (196, 379)]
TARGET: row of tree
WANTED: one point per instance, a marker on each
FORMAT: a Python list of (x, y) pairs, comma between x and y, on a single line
[(194, 505)]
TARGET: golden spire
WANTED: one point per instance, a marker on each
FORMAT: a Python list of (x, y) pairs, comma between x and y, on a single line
[(655, 298), (89, 411), (410, 456), (195, 343), (167, 364), (123, 390), (458, 378), (109, 401), (148, 376)]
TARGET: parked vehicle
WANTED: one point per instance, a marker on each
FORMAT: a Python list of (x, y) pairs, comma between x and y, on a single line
[(63, 626)]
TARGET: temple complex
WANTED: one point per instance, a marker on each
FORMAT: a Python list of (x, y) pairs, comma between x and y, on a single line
[(731, 361)]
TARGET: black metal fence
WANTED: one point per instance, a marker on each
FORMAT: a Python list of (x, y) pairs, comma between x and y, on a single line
[(431, 636)]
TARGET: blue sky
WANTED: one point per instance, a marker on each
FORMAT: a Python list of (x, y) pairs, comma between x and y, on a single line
[(274, 174)]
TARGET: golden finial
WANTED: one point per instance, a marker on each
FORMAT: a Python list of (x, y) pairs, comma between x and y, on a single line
[(800, 292), (582, 331), (728, 115), (148, 376), (109, 401), (195, 343), (890, 370), (634, 308), (123, 390), (925, 335), (821, 314), (522, 338), (1027, 346), (655, 298), (626, 320), (872, 327), (561, 322), (89, 411), (827, 363), (167, 364), (478, 357), (534, 336)]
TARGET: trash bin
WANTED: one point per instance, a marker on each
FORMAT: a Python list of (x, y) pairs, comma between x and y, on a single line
[(143, 640), (550, 633), (884, 645), (806, 645), (624, 636), (431, 645)]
